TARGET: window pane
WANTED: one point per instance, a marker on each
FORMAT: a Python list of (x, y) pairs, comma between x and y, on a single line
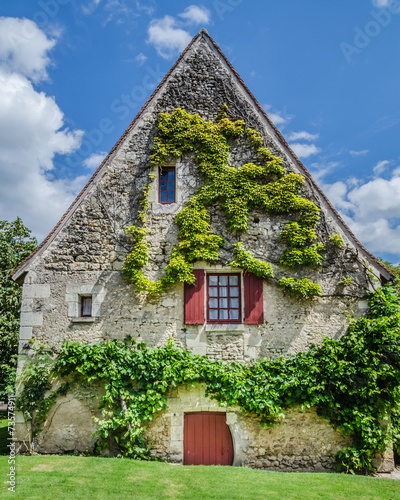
[(213, 314), (223, 298), (167, 185), (86, 306), (213, 280), (223, 280), (223, 314), (234, 303), (223, 303), (213, 303), (234, 314), (233, 280)]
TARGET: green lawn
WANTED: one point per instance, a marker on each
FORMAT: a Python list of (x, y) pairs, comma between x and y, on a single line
[(59, 477)]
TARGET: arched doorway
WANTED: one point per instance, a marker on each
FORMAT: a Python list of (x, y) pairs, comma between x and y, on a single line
[(207, 439)]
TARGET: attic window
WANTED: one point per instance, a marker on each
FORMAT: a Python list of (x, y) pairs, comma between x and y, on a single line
[(167, 185), (86, 306)]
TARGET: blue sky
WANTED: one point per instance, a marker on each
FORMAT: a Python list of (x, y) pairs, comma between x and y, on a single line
[(74, 74)]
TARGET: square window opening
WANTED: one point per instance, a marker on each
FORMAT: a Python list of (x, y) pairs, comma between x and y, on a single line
[(223, 298)]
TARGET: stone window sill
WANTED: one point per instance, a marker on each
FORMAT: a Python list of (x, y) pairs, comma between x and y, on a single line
[(90, 319), (232, 328)]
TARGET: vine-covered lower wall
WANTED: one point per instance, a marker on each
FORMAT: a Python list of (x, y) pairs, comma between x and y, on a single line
[(354, 383)]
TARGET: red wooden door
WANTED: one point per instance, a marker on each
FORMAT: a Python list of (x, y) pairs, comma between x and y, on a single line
[(207, 439)]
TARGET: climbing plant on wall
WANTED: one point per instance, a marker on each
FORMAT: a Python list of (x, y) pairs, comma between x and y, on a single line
[(353, 382), (266, 186)]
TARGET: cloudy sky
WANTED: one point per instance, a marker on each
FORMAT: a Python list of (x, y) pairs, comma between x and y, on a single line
[(73, 74)]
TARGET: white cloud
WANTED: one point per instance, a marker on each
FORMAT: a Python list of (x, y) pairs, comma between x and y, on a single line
[(91, 7), (24, 47), (94, 160), (141, 59), (196, 15), (147, 9), (381, 4), (304, 150), (278, 117), (378, 235), (319, 171), (371, 209), (168, 34), (119, 11), (380, 167), (32, 132), (302, 136), (377, 198), (167, 37), (359, 153)]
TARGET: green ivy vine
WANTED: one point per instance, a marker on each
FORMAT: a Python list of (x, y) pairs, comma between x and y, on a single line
[(353, 382), (36, 397), (336, 240), (237, 191)]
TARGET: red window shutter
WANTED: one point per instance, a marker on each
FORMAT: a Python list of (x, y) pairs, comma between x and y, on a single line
[(194, 300), (253, 299)]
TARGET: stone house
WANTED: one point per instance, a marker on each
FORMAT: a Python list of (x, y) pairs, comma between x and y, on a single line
[(73, 287)]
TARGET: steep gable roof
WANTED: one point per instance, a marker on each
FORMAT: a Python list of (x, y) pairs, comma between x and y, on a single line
[(202, 36)]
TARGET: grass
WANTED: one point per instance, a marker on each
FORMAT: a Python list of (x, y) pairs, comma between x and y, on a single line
[(68, 477)]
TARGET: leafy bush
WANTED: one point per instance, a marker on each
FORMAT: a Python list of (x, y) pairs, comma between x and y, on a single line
[(302, 287)]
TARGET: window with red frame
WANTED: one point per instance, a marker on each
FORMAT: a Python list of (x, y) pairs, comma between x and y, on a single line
[(167, 185), (223, 298), (219, 294)]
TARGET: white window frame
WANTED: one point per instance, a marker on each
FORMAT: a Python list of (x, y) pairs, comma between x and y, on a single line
[(73, 298)]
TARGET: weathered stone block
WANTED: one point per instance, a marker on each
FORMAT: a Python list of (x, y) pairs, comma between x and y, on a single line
[(25, 333), (36, 291), (32, 319)]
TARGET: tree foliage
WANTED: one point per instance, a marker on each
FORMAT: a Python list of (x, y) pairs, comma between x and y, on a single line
[(15, 245), (395, 269)]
